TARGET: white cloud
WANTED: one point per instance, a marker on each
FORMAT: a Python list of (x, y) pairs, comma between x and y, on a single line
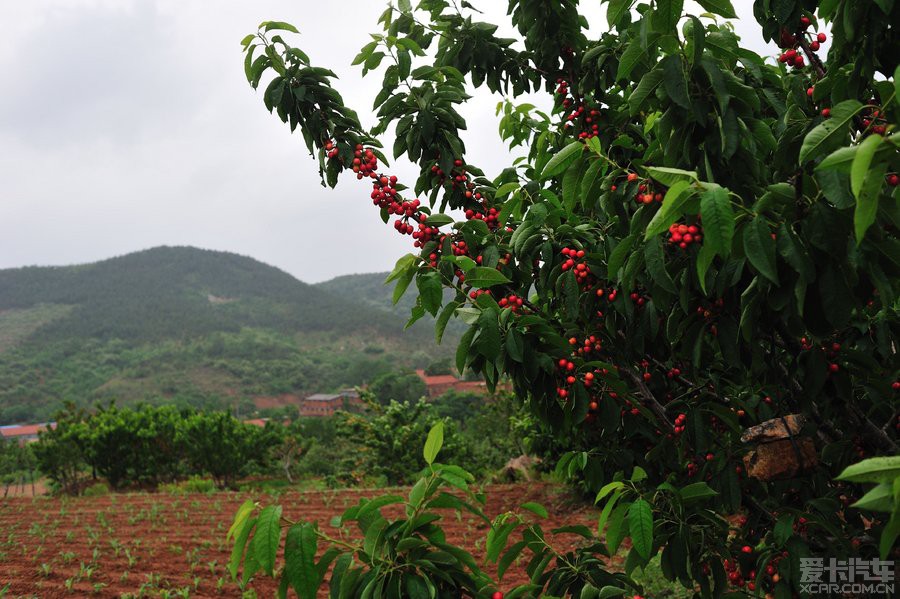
[(128, 124)]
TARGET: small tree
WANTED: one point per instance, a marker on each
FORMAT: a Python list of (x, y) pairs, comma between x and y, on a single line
[(218, 444), (387, 442), (397, 386), (59, 451)]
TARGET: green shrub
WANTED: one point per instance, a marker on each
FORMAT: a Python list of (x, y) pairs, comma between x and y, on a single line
[(96, 490)]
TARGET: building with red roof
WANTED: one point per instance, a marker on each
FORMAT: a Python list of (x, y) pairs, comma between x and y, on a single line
[(24, 433)]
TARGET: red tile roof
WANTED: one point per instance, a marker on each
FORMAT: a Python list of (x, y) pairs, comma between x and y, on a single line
[(23, 430)]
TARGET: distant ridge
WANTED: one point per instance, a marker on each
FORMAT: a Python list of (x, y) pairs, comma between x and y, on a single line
[(193, 326)]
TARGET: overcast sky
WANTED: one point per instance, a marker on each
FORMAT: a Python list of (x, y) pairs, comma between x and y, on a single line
[(128, 124)]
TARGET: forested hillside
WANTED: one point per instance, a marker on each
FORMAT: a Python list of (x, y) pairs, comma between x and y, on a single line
[(189, 326)]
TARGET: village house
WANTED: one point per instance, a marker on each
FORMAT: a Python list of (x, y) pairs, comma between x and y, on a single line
[(24, 433), (326, 404)]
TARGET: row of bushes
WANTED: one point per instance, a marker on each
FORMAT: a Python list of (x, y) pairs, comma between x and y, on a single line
[(147, 446)]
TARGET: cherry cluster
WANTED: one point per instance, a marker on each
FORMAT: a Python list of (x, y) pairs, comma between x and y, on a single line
[(584, 118), (590, 344), (512, 301), (873, 120), (735, 576), (647, 196), (582, 270), (567, 370), (679, 423), (790, 41), (684, 235), (365, 162), (638, 299), (673, 372), (385, 195)]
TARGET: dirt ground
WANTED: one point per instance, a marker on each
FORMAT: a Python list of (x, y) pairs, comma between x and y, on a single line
[(156, 545)]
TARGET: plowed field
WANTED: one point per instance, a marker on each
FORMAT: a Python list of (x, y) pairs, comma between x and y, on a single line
[(159, 545)]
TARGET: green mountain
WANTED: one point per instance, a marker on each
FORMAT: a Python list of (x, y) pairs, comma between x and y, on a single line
[(191, 326)]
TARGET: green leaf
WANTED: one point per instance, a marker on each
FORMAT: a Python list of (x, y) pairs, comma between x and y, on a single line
[(878, 499), (431, 292), (630, 57), (561, 160), (267, 538), (718, 220), (515, 345), (867, 202), (667, 14), (760, 248), (675, 81), (607, 489), (508, 558), (496, 539), (719, 7), (872, 470), (697, 492), (462, 350), (440, 324), (618, 527), (862, 161), (671, 176), (640, 524), (616, 10), (610, 591), (481, 277), (240, 517), (643, 90), (300, 560), (704, 260), (676, 196), (656, 265), (619, 254), (535, 508), (831, 132), (488, 342), (434, 442), (437, 220), (281, 25), (241, 534)]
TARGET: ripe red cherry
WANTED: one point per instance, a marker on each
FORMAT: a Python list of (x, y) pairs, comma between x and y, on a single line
[(747, 549), (632, 177), (833, 367), (810, 91), (814, 46), (821, 38), (893, 180), (826, 112), (497, 595), (895, 385)]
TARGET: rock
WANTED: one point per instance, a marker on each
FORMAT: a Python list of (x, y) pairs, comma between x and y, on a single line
[(779, 451)]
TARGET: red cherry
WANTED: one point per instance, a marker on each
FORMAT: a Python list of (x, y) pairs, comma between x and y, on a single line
[(747, 549), (810, 91), (497, 595), (893, 179), (826, 112), (821, 38), (833, 368)]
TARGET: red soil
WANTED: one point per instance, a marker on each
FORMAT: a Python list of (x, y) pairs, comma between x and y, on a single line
[(156, 541)]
